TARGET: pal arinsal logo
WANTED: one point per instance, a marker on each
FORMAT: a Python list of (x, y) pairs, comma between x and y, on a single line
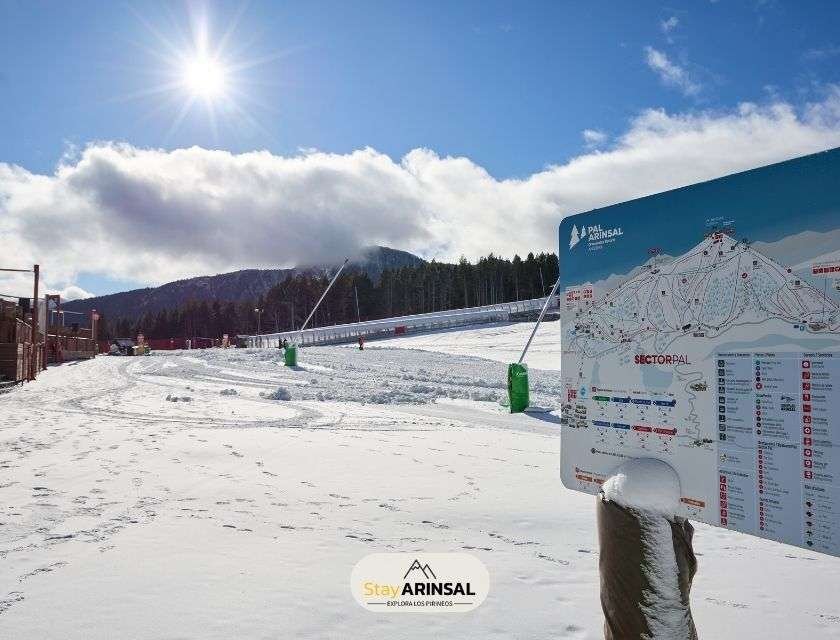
[(596, 236)]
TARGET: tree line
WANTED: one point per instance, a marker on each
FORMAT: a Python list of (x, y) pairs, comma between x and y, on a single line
[(429, 287)]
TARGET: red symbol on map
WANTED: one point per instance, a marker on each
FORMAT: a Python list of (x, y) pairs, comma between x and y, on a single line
[(806, 386), (808, 463), (806, 431), (809, 475), (806, 364), (723, 521), (758, 385), (806, 397), (806, 408), (807, 452), (806, 441), (806, 375), (806, 419)]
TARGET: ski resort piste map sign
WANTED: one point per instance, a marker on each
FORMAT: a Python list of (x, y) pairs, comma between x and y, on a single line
[(701, 327)]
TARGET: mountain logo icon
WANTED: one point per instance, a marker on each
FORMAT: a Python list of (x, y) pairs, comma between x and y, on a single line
[(575, 237), (425, 569)]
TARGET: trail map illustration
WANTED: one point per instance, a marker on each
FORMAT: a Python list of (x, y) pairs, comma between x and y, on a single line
[(702, 327)]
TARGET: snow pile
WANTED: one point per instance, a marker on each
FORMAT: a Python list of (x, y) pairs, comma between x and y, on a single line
[(171, 398), (281, 393), (645, 485), (485, 396), (376, 376), (229, 392)]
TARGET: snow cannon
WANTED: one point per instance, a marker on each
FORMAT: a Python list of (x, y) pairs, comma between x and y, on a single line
[(518, 387), (290, 355)]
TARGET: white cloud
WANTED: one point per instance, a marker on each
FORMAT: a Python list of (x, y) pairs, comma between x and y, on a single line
[(154, 216), (593, 138), (73, 292), (670, 24), (671, 73)]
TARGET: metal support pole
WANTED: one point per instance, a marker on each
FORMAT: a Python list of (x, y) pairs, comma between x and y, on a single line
[(359, 315), (323, 295), (539, 320)]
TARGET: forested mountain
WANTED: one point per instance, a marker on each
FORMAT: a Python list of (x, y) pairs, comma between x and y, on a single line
[(420, 288), (237, 286)]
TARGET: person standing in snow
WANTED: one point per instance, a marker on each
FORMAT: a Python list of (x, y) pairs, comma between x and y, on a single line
[(361, 343)]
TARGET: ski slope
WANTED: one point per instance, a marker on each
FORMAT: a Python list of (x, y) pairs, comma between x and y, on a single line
[(176, 496), (502, 342)]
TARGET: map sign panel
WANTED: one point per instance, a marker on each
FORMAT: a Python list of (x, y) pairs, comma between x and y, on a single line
[(701, 327)]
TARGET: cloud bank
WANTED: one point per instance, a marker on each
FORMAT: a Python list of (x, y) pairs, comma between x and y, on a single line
[(152, 215)]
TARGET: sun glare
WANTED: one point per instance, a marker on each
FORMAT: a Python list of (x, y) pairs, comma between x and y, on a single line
[(204, 77)]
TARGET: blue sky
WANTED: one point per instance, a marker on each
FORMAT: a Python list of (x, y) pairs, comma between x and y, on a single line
[(510, 85), (476, 114)]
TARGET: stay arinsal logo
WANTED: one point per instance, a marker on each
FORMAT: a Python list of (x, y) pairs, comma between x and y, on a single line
[(390, 582), (596, 236)]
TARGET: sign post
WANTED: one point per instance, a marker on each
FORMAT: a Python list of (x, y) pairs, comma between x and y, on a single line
[(716, 355)]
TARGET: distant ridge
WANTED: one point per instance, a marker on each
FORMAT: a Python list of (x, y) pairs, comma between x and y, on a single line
[(235, 286)]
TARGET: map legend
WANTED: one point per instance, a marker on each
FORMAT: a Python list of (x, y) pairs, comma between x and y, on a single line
[(777, 466)]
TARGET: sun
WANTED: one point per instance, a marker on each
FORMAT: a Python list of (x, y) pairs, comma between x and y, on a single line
[(204, 77)]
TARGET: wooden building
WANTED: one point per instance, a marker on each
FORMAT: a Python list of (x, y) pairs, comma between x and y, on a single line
[(20, 359)]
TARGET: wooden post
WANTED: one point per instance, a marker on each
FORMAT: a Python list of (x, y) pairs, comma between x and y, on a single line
[(646, 559), (34, 355), (46, 327)]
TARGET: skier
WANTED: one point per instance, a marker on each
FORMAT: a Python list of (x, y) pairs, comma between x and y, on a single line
[(361, 343)]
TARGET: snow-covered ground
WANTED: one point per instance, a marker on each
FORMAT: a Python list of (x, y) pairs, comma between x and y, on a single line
[(174, 497), (502, 342)]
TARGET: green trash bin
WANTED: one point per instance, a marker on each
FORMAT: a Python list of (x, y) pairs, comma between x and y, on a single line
[(518, 387), (290, 355)]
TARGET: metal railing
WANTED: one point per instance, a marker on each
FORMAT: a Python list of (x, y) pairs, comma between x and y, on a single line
[(388, 327)]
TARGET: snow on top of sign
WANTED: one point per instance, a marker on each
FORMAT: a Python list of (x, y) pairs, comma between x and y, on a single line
[(644, 484)]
